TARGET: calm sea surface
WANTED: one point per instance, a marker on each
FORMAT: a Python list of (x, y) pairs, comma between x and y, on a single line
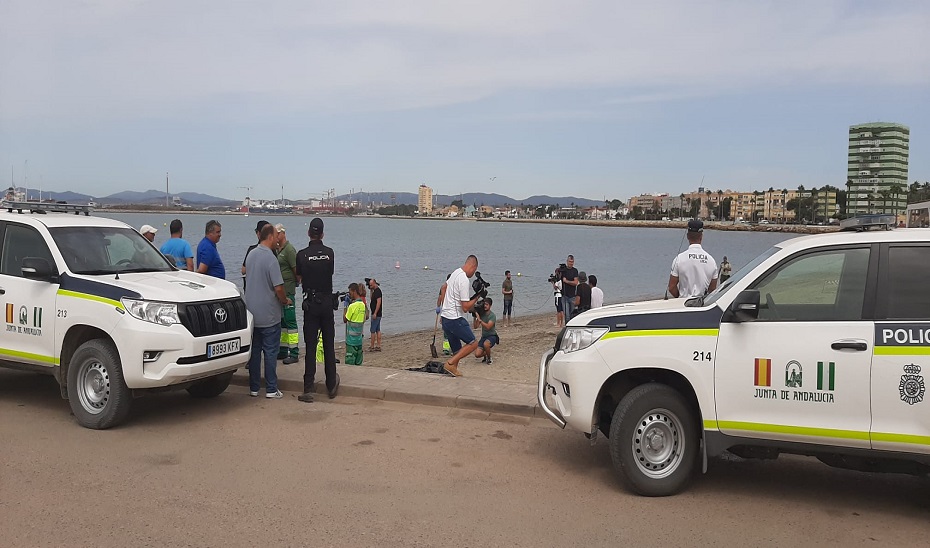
[(411, 257)]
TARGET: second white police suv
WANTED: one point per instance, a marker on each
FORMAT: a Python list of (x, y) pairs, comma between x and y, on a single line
[(817, 347), (92, 302)]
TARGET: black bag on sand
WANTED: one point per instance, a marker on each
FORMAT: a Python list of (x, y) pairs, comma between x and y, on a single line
[(431, 367)]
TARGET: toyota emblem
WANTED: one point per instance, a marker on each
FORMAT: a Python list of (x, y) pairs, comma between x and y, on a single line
[(220, 315)]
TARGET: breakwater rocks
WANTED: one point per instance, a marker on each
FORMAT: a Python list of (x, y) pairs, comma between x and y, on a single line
[(708, 225)]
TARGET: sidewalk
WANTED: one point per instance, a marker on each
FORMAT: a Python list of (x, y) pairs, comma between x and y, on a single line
[(513, 398)]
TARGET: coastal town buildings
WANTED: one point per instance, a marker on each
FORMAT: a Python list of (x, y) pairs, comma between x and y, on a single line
[(876, 176), (425, 200)]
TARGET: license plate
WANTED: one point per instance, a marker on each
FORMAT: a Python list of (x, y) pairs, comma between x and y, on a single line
[(223, 347)]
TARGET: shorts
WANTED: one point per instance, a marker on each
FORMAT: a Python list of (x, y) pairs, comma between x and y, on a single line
[(457, 332), (558, 304), (508, 307), (493, 339), (375, 325)]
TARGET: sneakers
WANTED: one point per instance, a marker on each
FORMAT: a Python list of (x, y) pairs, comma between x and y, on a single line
[(306, 397), (253, 393), (454, 369), (276, 395), (488, 360), (289, 360), (332, 393)]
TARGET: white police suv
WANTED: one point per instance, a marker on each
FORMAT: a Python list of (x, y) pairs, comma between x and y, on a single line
[(92, 302), (817, 347)]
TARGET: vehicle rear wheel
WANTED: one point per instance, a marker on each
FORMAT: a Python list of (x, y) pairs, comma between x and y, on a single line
[(211, 387), (97, 393), (654, 440)]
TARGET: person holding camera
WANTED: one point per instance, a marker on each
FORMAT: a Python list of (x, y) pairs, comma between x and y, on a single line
[(556, 281), (315, 267), (264, 298), (487, 320), (456, 302)]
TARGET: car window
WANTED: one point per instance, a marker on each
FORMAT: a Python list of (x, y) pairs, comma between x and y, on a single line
[(736, 278), (906, 294), (19, 242), (102, 250), (822, 286)]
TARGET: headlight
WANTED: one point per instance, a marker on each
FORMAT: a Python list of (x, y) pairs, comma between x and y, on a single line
[(151, 311), (579, 338)]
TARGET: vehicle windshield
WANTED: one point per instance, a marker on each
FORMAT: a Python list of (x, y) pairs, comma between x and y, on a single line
[(725, 286), (107, 250)]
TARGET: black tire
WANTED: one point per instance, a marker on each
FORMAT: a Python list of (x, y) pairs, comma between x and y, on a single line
[(97, 392), (211, 387), (654, 440)]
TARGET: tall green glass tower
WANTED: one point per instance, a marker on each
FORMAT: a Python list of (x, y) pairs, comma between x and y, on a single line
[(876, 177)]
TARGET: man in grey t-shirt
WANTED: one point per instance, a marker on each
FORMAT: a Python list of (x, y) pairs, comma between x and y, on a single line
[(264, 297)]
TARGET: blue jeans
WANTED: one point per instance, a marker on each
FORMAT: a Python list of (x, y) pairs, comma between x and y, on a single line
[(568, 306), (265, 341)]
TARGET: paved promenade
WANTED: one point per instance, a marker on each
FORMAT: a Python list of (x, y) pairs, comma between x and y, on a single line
[(513, 398)]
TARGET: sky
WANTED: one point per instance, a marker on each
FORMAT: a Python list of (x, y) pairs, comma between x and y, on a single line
[(595, 99)]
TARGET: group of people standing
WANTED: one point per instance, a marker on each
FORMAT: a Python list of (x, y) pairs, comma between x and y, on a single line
[(271, 271), (574, 292)]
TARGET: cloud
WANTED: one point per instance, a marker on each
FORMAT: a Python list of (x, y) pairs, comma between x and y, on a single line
[(117, 59)]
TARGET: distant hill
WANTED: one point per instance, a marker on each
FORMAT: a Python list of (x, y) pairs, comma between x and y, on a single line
[(157, 197), (468, 198), (67, 196)]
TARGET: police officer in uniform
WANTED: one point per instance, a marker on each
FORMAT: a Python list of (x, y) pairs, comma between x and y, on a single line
[(315, 267), (694, 271)]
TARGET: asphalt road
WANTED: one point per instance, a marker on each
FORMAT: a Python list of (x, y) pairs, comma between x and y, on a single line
[(242, 471)]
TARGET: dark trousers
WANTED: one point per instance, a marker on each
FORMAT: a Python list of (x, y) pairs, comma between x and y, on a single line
[(318, 321)]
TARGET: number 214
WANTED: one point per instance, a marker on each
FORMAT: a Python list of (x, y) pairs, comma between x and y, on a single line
[(702, 356)]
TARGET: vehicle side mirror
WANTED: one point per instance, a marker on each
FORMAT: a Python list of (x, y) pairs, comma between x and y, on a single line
[(744, 308), (36, 268)]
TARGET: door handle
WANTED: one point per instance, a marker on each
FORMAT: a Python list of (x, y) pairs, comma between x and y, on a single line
[(850, 345)]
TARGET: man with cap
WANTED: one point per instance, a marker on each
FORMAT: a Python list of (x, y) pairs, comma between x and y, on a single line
[(258, 229), (315, 267), (209, 261), (694, 271), (178, 247), (287, 260), (149, 232), (582, 294)]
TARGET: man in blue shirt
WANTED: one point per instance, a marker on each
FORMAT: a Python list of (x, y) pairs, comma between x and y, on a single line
[(208, 258), (178, 247)]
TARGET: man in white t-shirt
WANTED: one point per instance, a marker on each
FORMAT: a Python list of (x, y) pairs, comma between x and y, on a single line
[(456, 302), (597, 295), (694, 271)]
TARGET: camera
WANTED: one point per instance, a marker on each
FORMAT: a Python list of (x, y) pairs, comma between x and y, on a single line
[(479, 286), (558, 275), (339, 296)]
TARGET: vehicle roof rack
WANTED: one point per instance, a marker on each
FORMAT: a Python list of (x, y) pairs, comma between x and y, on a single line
[(868, 222), (46, 207)]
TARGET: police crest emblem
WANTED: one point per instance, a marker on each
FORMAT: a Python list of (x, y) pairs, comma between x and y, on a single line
[(912, 385)]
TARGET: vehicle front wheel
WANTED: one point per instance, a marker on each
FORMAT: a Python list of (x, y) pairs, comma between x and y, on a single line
[(211, 387), (97, 392), (654, 440)]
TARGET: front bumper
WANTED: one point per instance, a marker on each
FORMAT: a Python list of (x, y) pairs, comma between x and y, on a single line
[(180, 357), (543, 386)]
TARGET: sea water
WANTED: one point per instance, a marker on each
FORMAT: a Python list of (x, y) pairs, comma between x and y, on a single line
[(410, 258)]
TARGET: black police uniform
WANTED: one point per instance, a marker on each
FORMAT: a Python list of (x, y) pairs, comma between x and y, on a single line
[(315, 266)]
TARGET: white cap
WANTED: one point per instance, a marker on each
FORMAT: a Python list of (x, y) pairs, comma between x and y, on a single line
[(147, 228)]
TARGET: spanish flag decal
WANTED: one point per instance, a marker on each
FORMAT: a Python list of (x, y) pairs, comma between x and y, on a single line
[(763, 374), (9, 312)]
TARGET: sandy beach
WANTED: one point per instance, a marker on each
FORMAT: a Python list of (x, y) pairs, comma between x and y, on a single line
[(515, 359)]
